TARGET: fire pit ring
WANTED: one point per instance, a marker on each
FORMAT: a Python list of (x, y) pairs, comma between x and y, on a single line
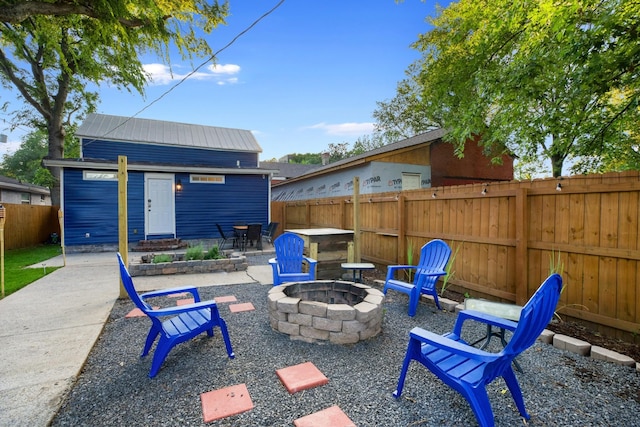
[(326, 310)]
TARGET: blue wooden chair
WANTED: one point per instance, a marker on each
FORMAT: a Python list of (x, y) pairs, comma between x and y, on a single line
[(467, 369), (289, 260), (184, 323), (434, 256)]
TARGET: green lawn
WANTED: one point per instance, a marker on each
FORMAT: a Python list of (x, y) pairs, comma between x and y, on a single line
[(16, 276)]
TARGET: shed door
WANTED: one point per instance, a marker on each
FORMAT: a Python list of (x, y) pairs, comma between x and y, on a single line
[(159, 204)]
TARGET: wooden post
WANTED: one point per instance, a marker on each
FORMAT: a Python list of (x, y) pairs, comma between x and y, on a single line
[(402, 227), (522, 236), (3, 214), (60, 217), (356, 219), (122, 216)]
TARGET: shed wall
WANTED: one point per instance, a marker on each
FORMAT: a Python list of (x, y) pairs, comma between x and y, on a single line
[(153, 153)]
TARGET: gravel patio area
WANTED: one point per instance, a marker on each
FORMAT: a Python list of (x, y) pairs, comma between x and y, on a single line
[(560, 388)]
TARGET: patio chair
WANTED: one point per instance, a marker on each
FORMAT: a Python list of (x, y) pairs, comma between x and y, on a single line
[(223, 238), (467, 369), (254, 234), (288, 264), (270, 231), (182, 322), (434, 256)]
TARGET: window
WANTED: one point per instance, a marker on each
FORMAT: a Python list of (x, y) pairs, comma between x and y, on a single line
[(410, 181), (207, 179), (25, 198), (100, 175)]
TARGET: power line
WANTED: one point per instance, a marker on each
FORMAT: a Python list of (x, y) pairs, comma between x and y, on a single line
[(195, 70)]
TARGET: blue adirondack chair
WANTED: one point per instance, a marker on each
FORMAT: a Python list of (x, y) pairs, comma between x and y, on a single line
[(434, 256), (467, 369), (287, 265), (184, 323)]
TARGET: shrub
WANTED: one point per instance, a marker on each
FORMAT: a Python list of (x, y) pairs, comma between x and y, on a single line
[(194, 253), (213, 253), (162, 258)]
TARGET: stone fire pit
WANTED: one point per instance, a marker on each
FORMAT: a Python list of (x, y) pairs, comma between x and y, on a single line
[(326, 310)]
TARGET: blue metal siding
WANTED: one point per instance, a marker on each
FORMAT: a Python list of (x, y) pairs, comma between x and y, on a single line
[(199, 206), (137, 152), (92, 207)]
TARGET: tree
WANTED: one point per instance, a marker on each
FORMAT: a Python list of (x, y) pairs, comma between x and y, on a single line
[(51, 53), (25, 164), (532, 77), (305, 159)]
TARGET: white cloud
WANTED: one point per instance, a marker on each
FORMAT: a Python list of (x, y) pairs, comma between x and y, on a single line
[(160, 74), (224, 68), (348, 129)]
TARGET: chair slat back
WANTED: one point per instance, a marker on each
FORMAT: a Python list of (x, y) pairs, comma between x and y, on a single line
[(127, 281), (433, 256), (535, 316), (254, 232), (289, 252)]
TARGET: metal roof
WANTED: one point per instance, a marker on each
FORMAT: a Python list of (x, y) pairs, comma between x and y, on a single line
[(103, 126)]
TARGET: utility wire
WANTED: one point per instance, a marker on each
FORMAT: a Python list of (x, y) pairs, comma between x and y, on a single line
[(195, 70)]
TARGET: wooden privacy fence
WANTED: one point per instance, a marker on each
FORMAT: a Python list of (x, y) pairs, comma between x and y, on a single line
[(504, 236), (29, 225)]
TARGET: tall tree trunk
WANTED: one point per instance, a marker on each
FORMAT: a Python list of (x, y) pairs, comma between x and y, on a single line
[(556, 165), (56, 151)]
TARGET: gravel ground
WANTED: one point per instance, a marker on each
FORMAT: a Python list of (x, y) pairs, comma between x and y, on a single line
[(560, 388)]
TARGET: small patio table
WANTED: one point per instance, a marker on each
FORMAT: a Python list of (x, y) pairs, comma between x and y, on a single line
[(498, 309), (357, 267), (241, 232)]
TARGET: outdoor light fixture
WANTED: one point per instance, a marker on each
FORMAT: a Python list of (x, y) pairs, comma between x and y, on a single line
[(434, 195), (559, 187), (484, 190), (179, 185)]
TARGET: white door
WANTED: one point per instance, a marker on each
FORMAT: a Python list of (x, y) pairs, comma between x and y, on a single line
[(159, 204)]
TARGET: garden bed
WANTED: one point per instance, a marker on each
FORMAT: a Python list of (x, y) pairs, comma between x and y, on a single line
[(178, 265)]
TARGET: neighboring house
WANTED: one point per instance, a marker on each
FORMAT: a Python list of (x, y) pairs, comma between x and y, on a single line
[(16, 192), (285, 171), (420, 162), (182, 180)]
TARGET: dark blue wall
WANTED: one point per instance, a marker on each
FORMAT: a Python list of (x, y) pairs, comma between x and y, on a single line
[(243, 198), (92, 207), (110, 150)]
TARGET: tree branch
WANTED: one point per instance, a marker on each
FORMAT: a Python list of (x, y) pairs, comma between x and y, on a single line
[(16, 13)]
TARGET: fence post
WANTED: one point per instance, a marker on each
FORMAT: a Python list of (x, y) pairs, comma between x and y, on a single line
[(522, 255), (357, 251), (401, 224)]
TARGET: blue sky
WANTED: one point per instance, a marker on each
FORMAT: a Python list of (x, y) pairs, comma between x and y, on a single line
[(307, 75)]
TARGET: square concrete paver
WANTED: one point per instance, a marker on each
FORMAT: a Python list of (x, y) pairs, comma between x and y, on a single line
[(245, 306), (225, 402), (185, 301), (301, 377), (226, 298), (136, 312), (330, 417), (179, 295)]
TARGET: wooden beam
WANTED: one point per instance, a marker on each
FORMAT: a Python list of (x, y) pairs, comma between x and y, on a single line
[(356, 219), (123, 237)]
